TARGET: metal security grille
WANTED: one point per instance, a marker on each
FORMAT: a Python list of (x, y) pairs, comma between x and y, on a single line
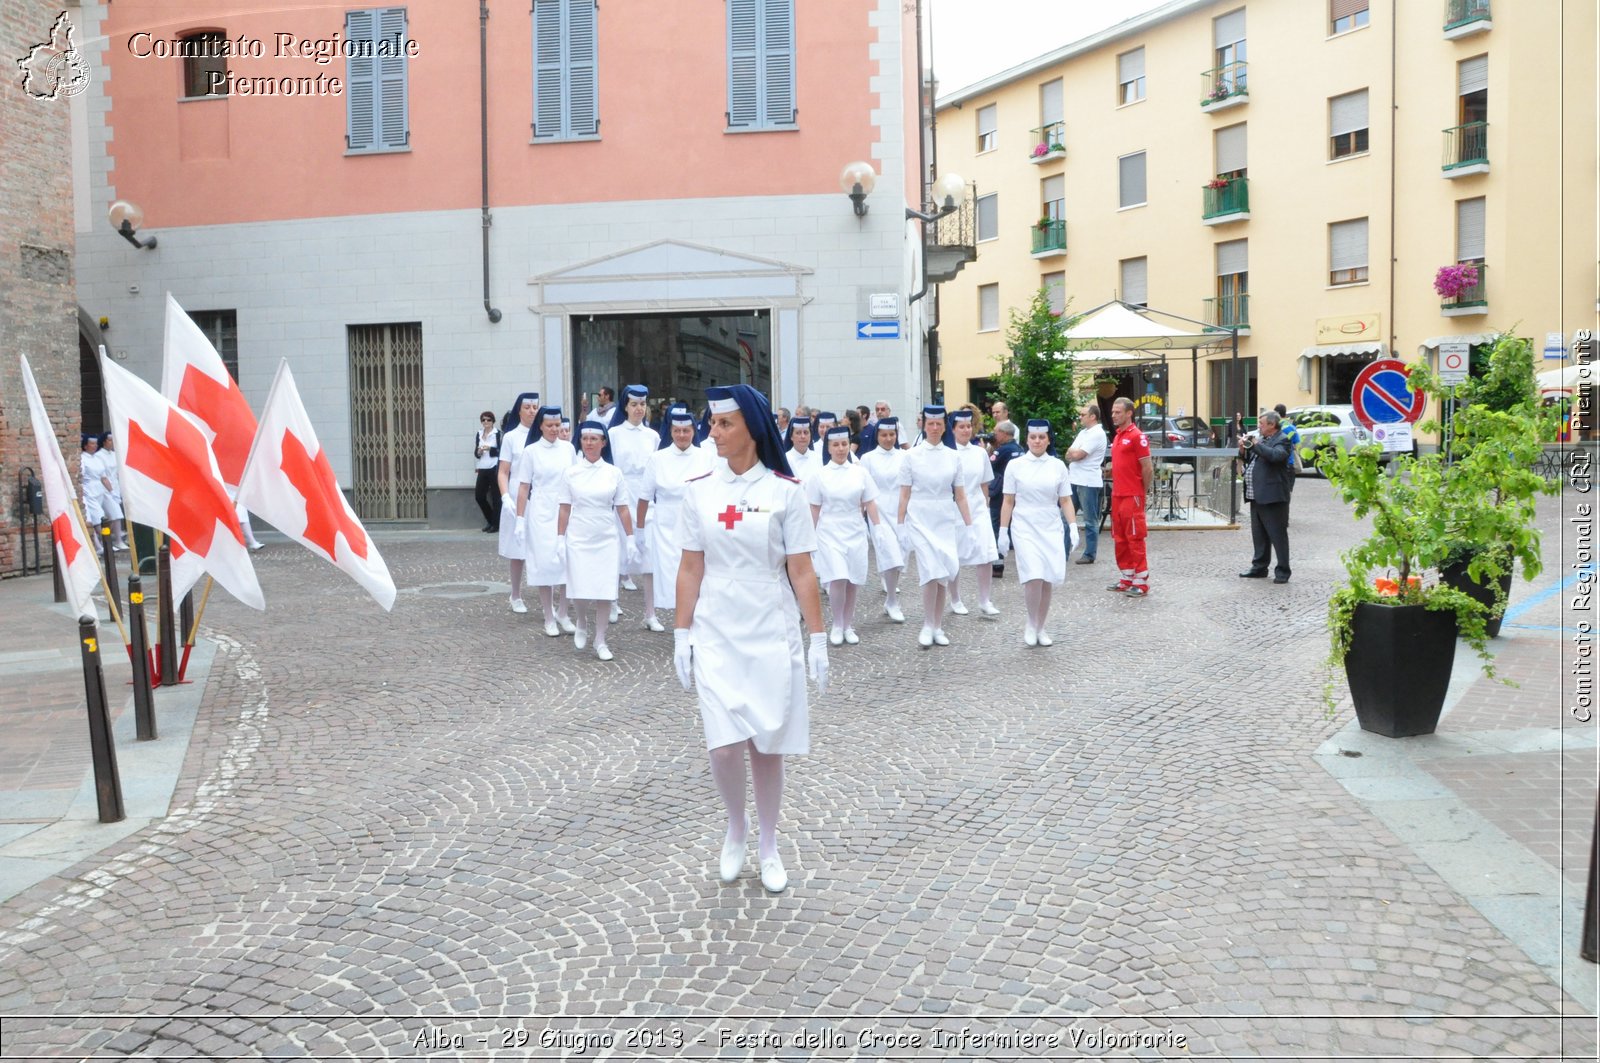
[(386, 424)]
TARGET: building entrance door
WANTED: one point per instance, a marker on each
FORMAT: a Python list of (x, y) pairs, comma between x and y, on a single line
[(677, 356), (390, 473)]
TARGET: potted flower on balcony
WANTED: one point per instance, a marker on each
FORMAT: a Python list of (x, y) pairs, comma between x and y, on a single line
[(1218, 184), (1451, 281), (1044, 223), (1041, 150), (1219, 91)]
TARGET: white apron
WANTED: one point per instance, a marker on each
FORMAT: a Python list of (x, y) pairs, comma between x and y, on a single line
[(512, 548), (94, 492), (542, 465), (807, 465), (841, 491), (1039, 484), (594, 490), (884, 465), (749, 661), (980, 547), (665, 480), (933, 472), (631, 448), (112, 500)]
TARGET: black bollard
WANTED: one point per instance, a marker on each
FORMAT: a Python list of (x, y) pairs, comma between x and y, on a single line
[(185, 618), (1589, 946), (107, 783), (55, 570), (144, 711), (169, 641), (110, 558)]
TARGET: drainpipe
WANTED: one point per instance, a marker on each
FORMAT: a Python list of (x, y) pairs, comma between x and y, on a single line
[(483, 136), (1394, 119)]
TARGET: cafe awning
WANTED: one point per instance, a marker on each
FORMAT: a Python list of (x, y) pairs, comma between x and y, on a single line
[(1333, 350)]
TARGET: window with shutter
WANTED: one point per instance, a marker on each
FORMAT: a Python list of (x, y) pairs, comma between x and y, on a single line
[(1130, 180), (1055, 287), (1232, 151), (1136, 281), (1052, 107), (1472, 75), (1228, 29), (1053, 196), (1233, 256), (1130, 76), (989, 216), (565, 70), (205, 64), (1347, 14), (988, 307), (988, 127), (1347, 251), (1470, 229), (377, 116), (761, 64), (1347, 124)]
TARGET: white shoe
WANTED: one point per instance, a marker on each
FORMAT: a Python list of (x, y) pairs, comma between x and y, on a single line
[(1044, 638), (925, 639), (650, 623), (958, 608), (580, 638), (1030, 637), (773, 876), (602, 651), (894, 613), (616, 613), (988, 609), (518, 605), (733, 855), (850, 636), (835, 637), (628, 584), (566, 624), (552, 629), (120, 548), (257, 546), (940, 638)]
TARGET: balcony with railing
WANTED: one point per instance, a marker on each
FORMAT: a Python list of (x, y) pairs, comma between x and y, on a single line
[(952, 241), (1226, 86), (1049, 143), (1466, 150), (1229, 311), (1470, 300), (1049, 237), (1463, 18), (1226, 200)]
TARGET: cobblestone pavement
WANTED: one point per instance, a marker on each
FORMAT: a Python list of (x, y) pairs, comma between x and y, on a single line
[(440, 834)]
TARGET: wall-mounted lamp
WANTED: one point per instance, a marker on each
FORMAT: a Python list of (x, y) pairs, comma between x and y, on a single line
[(126, 218), (947, 191), (857, 180)]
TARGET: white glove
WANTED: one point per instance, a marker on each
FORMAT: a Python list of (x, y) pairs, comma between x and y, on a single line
[(561, 549), (635, 559), (1077, 536), (1003, 541), (683, 656), (903, 533), (510, 503), (522, 526), (817, 662), (971, 534)]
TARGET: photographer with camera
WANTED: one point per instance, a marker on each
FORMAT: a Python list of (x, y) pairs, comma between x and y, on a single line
[(1268, 481)]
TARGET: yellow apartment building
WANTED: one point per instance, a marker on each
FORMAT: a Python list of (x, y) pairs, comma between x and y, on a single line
[(1301, 169)]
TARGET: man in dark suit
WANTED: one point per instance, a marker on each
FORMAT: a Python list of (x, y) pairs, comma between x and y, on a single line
[(1271, 480), (1005, 448)]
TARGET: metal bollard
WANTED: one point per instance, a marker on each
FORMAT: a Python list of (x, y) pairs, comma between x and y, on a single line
[(167, 626), (110, 558), (1589, 944), (107, 783), (144, 711)]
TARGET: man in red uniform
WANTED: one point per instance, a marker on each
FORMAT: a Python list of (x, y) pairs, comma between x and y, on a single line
[(1132, 473)]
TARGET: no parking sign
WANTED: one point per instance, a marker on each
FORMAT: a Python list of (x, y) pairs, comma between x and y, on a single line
[(1380, 395)]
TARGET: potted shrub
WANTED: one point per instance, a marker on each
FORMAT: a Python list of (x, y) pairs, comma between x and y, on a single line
[(1393, 625), (1043, 224)]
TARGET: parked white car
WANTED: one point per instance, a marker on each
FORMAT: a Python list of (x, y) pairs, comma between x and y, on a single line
[(1324, 428)]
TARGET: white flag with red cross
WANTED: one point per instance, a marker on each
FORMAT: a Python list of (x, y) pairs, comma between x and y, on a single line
[(289, 481), (170, 481), (80, 568)]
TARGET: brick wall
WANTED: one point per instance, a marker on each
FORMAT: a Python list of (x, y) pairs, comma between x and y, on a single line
[(38, 304)]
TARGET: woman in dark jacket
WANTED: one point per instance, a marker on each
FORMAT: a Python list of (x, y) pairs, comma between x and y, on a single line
[(486, 452)]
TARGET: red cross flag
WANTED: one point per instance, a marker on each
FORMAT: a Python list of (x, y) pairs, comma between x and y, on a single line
[(194, 379), (170, 481), (290, 483), (80, 569)]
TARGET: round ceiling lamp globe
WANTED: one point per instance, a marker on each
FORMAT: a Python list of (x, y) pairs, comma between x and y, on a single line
[(952, 187), (857, 173)]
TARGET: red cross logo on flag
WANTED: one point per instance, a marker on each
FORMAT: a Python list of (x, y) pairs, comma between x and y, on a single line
[(194, 378), (79, 567)]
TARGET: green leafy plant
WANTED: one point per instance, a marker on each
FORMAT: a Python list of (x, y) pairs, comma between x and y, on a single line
[(1036, 379)]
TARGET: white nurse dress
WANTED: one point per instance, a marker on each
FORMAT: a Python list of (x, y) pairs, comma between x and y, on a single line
[(666, 478), (840, 491), (594, 490), (512, 546), (1039, 482), (541, 466), (933, 472), (631, 447)]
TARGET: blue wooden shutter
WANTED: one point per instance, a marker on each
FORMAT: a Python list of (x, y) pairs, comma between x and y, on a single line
[(583, 113), (361, 91), (777, 62), (394, 120), (547, 70), (744, 79)]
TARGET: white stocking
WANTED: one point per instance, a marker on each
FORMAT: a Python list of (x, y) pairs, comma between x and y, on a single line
[(891, 586), (727, 771), (1045, 591), (985, 583), (602, 620), (850, 592), (516, 579), (546, 601), (932, 605), (837, 591), (766, 775), (647, 583), (954, 583)]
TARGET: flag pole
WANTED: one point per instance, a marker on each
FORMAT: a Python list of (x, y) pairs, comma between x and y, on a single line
[(111, 598), (205, 596)]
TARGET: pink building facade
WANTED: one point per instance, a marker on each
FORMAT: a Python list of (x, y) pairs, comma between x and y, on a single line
[(429, 209)]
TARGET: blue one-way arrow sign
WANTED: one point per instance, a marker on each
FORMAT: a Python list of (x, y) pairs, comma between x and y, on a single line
[(877, 330)]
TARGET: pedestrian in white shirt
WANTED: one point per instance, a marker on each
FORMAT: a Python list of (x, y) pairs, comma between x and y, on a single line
[(1085, 459)]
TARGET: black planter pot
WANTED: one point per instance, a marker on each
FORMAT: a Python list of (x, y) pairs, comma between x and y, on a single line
[(1456, 576), (1399, 667)]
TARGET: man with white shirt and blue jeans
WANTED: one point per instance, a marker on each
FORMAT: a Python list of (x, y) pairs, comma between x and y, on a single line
[(1084, 459)]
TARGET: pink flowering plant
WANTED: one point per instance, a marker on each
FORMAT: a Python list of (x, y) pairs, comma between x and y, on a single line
[(1451, 281), (1041, 150)]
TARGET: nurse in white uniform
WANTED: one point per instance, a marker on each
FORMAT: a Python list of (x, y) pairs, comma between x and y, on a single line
[(540, 469), (840, 493), (666, 477), (111, 477), (514, 430), (1037, 499), (883, 463), (594, 499), (804, 459), (744, 582), (977, 549), (933, 519), (629, 446)]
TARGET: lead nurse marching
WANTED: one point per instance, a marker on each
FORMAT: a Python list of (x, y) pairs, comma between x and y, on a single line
[(932, 499), (1038, 497), (630, 443), (744, 581)]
